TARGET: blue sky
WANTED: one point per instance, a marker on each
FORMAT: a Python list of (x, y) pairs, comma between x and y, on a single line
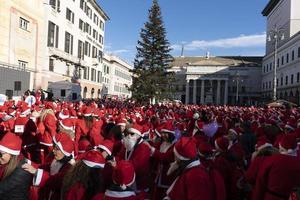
[(222, 27)]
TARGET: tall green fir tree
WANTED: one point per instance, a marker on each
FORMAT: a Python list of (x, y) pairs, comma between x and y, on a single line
[(151, 77)]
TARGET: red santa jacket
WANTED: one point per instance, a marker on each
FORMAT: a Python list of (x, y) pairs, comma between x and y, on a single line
[(95, 133), (49, 178), (193, 184), (26, 128), (276, 178), (77, 192), (164, 155), (140, 158)]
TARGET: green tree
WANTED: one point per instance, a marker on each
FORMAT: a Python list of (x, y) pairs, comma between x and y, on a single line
[(151, 78)]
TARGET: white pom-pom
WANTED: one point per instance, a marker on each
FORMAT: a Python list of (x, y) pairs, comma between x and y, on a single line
[(123, 187)]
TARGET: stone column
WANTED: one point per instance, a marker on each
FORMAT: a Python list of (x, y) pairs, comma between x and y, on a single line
[(202, 92), (187, 91), (194, 91), (226, 92), (218, 92)]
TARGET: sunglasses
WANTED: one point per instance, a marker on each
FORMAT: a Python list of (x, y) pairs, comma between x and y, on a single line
[(1, 154)]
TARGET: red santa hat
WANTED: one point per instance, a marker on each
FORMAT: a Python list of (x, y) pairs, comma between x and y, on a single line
[(168, 127), (64, 143), (205, 150), (11, 111), (87, 112), (185, 149), (24, 109), (288, 143), (262, 143), (222, 143), (50, 105), (291, 124), (67, 124), (121, 121), (11, 144), (64, 113), (83, 145), (106, 145), (123, 174), (93, 159), (136, 128)]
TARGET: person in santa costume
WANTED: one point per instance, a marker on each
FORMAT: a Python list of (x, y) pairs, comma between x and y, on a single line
[(49, 176), (164, 156), (193, 181), (138, 153), (84, 180), (123, 177), (14, 181), (46, 127), (279, 173)]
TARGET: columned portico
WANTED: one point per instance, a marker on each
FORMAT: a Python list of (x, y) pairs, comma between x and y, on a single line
[(218, 92), (187, 91), (214, 91)]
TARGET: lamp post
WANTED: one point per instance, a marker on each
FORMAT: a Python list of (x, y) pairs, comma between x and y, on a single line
[(274, 35)]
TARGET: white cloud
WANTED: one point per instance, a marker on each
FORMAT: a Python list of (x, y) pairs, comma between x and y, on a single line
[(120, 51), (242, 41)]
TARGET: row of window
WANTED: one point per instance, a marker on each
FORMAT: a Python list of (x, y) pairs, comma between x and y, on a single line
[(268, 85), (122, 75), (89, 13), (122, 89), (85, 27), (83, 48), (285, 59)]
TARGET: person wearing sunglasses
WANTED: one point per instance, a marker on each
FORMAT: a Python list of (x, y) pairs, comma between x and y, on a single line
[(14, 181), (49, 177)]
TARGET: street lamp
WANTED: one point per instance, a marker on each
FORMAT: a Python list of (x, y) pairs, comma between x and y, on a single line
[(274, 35), (237, 79)]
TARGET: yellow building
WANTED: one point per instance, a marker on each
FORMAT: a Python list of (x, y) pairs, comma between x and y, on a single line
[(22, 38)]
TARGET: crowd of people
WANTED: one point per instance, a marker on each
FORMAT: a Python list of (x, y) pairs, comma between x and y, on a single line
[(123, 150)]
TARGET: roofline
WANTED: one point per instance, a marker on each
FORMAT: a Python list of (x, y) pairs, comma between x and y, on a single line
[(269, 7), (99, 9)]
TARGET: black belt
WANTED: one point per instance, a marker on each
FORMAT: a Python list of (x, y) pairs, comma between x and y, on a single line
[(277, 194)]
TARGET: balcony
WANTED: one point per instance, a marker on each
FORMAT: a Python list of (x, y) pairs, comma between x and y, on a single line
[(57, 53)]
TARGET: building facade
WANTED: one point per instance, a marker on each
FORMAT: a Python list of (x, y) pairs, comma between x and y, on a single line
[(75, 41), (217, 80), (22, 45), (283, 15), (116, 77)]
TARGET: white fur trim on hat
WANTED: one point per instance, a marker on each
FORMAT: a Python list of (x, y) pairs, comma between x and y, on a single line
[(264, 146), (65, 127), (157, 132), (62, 116), (10, 151), (104, 148), (26, 112), (93, 164), (46, 144), (61, 148), (289, 127), (121, 124), (133, 130), (179, 156), (167, 131)]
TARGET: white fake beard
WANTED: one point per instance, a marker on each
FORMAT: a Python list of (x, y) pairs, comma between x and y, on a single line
[(172, 168), (129, 142)]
